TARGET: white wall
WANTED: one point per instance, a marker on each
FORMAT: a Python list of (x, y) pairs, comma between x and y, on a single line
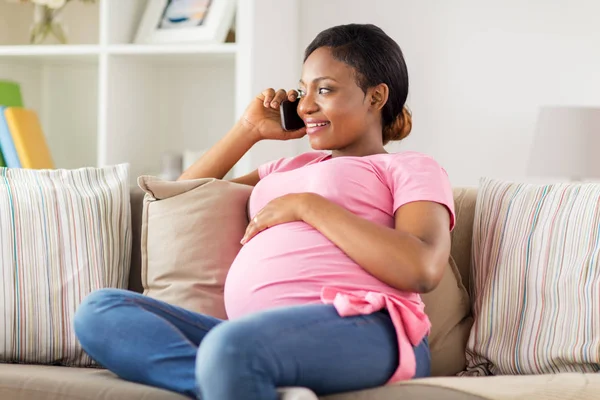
[(269, 47), (479, 70)]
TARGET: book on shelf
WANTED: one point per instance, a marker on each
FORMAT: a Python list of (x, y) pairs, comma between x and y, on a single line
[(10, 96), (28, 138), (11, 158)]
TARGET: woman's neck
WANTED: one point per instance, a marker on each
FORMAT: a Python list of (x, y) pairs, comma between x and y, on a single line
[(369, 143)]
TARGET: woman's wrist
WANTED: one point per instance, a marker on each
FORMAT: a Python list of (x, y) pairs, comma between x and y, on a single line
[(308, 203), (246, 131)]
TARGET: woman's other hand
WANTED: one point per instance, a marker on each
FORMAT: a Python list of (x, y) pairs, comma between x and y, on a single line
[(262, 116)]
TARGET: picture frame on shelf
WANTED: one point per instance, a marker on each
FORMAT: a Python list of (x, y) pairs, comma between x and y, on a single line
[(185, 22)]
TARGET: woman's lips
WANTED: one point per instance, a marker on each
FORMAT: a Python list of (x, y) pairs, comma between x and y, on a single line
[(314, 127)]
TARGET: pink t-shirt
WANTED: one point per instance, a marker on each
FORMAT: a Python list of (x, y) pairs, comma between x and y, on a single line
[(293, 263)]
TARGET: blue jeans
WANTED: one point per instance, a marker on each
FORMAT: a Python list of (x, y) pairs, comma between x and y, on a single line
[(151, 342)]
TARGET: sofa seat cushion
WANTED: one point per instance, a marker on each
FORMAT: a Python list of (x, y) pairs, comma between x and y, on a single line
[(574, 386), (44, 382)]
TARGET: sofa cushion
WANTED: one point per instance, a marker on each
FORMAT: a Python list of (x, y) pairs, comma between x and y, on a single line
[(449, 306), (43, 382), (35, 382), (63, 234), (536, 279), (532, 387), (465, 199), (449, 310), (191, 232)]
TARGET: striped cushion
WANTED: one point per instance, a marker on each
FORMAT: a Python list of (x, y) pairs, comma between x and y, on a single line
[(63, 234), (536, 279)]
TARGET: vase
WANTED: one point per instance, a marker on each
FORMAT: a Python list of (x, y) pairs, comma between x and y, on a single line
[(47, 26)]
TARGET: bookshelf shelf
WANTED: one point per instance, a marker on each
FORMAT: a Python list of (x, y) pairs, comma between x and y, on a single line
[(133, 49), (50, 54), (49, 51)]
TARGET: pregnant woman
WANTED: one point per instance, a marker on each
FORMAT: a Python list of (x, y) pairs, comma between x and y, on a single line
[(325, 292)]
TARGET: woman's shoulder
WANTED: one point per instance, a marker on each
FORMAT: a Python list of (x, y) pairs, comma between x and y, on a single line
[(411, 155), (409, 160)]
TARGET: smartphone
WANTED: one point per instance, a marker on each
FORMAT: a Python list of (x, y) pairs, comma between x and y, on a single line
[(290, 120)]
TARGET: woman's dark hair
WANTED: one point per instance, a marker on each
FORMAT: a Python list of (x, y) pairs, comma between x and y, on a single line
[(376, 58)]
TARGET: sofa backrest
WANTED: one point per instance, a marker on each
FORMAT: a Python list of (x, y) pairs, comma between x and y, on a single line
[(462, 235), (137, 206), (464, 202)]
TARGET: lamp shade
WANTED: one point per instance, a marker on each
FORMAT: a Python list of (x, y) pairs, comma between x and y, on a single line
[(566, 143)]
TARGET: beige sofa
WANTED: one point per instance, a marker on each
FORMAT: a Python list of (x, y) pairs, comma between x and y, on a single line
[(29, 382)]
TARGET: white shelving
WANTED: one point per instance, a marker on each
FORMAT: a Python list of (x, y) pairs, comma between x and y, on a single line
[(103, 100), (96, 50), (50, 51)]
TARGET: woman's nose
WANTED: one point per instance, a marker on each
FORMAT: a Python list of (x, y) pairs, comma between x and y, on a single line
[(307, 105)]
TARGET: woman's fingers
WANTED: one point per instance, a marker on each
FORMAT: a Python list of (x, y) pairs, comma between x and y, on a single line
[(269, 95), (280, 96), (252, 229), (273, 99), (292, 95)]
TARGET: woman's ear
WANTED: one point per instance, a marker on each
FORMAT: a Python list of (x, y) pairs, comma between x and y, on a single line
[(379, 95)]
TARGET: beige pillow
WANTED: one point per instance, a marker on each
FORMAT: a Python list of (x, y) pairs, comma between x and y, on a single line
[(448, 308), (191, 232), (63, 234)]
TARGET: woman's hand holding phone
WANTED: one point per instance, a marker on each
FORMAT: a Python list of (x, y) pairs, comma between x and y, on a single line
[(263, 116)]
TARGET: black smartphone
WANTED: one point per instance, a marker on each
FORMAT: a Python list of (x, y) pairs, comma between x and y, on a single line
[(290, 120)]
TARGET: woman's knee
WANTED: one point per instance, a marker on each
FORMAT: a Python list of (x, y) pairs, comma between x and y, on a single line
[(227, 351), (94, 312)]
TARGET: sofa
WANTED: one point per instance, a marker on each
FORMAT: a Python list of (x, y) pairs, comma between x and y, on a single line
[(29, 382)]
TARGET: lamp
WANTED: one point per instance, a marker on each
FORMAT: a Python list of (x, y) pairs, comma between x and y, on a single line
[(566, 143)]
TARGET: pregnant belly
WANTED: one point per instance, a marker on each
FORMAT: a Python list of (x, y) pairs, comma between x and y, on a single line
[(288, 265)]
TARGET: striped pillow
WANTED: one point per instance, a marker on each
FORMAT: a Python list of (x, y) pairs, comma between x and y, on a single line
[(63, 234), (536, 279)]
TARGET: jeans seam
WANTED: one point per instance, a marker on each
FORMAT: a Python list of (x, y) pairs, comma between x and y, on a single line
[(143, 302), (250, 360)]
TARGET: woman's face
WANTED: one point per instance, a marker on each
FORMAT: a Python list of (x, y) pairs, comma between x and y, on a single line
[(334, 109)]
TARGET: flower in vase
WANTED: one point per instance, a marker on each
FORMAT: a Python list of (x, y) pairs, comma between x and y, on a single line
[(54, 4), (46, 22)]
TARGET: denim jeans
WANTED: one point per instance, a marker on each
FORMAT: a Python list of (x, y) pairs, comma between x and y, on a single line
[(151, 342)]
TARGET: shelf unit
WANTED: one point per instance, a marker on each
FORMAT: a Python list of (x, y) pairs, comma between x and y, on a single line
[(103, 100)]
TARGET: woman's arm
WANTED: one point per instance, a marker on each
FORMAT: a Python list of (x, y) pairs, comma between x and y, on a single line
[(261, 120), (220, 158), (411, 257)]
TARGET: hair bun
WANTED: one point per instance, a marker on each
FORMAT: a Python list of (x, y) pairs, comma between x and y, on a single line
[(400, 128)]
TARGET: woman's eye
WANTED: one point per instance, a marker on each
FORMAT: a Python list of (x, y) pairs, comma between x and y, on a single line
[(324, 90), (300, 93)]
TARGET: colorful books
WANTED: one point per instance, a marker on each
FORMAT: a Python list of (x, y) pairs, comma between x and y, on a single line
[(11, 158), (28, 138), (22, 140)]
